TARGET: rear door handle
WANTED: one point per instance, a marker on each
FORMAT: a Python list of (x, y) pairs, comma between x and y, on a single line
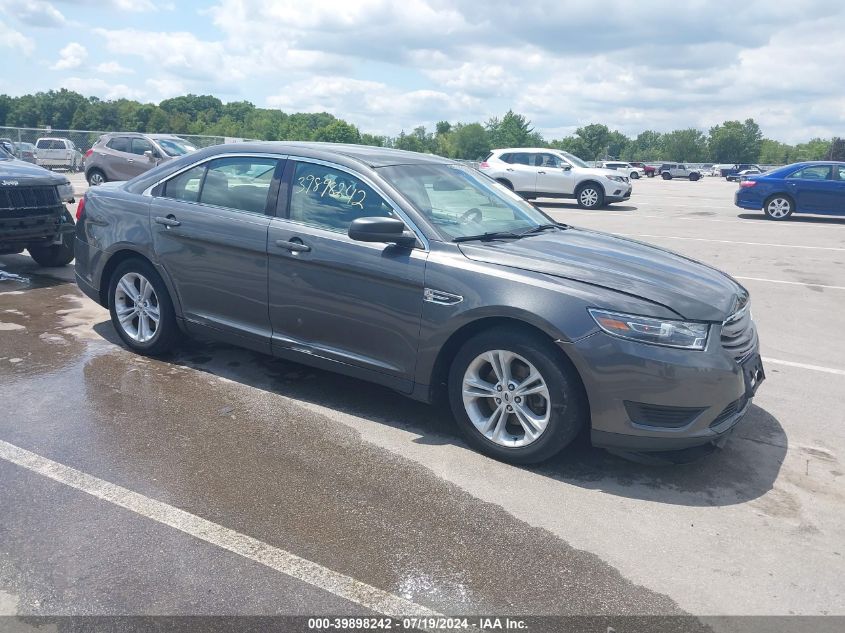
[(541, 172), (509, 169), (168, 221), (293, 247)]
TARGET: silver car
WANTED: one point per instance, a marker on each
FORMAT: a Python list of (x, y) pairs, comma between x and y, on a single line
[(122, 155)]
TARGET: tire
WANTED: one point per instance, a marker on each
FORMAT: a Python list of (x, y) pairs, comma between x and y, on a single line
[(778, 207), (504, 182), (693, 177), (559, 412), (666, 175), (55, 255), (650, 174), (635, 175), (141, 333), (590, 196), (96, 177)]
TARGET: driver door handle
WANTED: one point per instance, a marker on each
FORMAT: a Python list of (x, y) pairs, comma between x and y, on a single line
[(293, 247), (509, 169), (168, 221), (541, 172)]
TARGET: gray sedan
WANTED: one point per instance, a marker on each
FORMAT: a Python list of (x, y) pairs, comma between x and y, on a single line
[(426, 276)]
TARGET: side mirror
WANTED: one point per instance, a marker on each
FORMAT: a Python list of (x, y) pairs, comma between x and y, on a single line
[(149, 155), (388, 230), (566, 167)]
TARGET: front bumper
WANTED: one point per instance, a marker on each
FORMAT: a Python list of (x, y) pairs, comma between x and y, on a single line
[(650, 398), (618, 192)]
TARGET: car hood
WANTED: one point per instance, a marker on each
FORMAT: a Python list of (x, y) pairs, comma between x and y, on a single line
[(689, 288), (28, 174), (599, 171)]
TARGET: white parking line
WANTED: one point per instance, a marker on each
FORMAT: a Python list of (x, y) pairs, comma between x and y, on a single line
[(241, 544), (791, 283), (704, 239), (789, 363)]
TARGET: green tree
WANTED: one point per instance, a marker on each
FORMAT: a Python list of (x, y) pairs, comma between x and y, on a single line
[(776, 153), (735, 142), (688, 145), (513, 130), (595, 141), (470, 141), (648, 146), (338, 132), (814, 149)]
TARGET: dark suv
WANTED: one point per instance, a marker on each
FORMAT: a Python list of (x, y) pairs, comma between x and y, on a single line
[(424, 275), (32, 212), (124, 155)]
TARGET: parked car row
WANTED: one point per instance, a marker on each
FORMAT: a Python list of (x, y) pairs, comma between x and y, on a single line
[(23, 151), (122, 156)]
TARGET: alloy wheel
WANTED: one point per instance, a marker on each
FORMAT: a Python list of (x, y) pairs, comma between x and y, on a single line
[(589, 197), (779, 208), (506, 398), (97, 179), (137, 307)]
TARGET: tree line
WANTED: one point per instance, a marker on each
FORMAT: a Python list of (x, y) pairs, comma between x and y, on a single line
[(728, 142)]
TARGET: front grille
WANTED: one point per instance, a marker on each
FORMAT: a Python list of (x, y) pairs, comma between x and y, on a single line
[(728, 412), (659, 415), (24, 198), (739, 336)]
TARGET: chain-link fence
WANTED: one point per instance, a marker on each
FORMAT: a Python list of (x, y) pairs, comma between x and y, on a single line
[(24, 142)]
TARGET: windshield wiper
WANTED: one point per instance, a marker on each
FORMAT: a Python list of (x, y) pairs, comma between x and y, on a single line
[(486, 237), (543, 227), (495, 235)]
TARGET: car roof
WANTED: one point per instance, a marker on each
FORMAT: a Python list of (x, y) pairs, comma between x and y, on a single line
[(367, 154), (526, 149)]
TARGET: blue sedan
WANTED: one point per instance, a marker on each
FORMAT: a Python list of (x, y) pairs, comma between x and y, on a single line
[(812, 187)]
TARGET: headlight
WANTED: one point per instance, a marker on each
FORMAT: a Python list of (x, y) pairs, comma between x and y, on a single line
[(66, 192), (665, 332), (617, 178)]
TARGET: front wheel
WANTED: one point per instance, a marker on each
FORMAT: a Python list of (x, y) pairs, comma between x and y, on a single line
[(514, 397), (635, 175), (55, 255), (141, 309), (693, 177), (590, 196), (778, 208)]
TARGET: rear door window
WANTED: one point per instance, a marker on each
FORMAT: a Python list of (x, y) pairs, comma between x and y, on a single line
[(185, 186), (241, 182), (119, 144)]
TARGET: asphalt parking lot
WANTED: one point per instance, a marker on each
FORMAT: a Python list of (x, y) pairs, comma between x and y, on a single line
[(308, 476)]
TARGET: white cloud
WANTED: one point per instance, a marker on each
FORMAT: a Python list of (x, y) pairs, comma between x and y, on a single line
[(36, 13), (165, 88), (71, 56), (101, 88), (14, 40), (113, 68)]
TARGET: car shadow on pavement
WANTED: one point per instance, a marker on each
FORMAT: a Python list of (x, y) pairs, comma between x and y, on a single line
[(746, 468), (557, 204), (799, 219)]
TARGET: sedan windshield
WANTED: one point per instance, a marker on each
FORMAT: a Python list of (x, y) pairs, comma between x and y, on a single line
[(462, 202), (175, 147)]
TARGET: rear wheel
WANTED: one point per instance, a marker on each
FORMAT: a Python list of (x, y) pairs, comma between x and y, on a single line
[(504, 182), (514, 397), (589, 196), (635, 175), (778, 207), (96, 177), (666, 175), (141, 309), (693, 177)]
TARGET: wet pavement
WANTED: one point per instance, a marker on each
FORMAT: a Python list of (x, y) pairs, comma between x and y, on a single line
[(381, 489)]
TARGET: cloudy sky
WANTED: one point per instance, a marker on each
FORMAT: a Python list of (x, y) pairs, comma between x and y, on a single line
[(388, 66)]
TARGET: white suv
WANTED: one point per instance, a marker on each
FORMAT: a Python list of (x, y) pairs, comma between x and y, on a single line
[(552, 173), (626, 168)]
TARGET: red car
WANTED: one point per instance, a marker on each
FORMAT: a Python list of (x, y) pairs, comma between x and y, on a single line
[(649, 169)]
